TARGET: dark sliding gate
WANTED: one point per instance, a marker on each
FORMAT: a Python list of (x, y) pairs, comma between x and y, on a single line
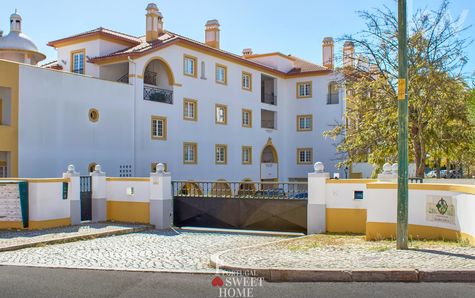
[(86, 197), (269, 206)]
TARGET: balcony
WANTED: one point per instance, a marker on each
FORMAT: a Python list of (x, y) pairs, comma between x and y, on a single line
[(268, 119), (157, 94), (269, 98), (333, 98)]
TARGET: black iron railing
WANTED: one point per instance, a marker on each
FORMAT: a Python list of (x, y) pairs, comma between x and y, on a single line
[(268, 124), (333, 98), (243, 189), (269, 98), (124, 79), (157, 94)]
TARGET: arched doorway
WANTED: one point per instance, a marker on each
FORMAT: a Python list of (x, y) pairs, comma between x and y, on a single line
[(269, 163), (158, 81)]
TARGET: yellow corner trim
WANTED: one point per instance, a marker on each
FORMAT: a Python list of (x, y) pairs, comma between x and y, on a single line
[(136, 179)]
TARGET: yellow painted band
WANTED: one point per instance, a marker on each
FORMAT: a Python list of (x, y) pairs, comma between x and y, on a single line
[(4, 225), (350, 181), (51, 223), (346, 220), (383, 230), (132, 212), (470, 189)]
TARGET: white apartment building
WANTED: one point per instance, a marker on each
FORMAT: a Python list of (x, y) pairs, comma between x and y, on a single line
[(128, 102)]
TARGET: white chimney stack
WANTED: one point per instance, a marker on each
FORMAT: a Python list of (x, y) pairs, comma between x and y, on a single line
[(328, 50), (212, 33)]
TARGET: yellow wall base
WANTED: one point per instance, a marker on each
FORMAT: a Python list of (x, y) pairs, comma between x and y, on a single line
[(133, 212), (382, 230), (343, 220), (5, 225), (46, 224)]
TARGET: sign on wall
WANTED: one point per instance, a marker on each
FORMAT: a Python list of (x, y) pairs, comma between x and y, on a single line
[(10, 206), (440, 209)]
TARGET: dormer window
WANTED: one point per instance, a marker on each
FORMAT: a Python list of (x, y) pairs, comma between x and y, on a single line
[(78, 61)]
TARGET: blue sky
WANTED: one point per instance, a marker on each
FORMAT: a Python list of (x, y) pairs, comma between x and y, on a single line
[(293, 27)]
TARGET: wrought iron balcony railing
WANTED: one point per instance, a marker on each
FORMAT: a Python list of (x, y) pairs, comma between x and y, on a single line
[(269, 98), (270, 124), (157, 94)]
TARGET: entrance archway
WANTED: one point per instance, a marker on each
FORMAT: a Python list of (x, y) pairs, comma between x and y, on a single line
[(269, 162)]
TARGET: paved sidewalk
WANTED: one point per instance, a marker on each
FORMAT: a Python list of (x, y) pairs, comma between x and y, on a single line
[(352, 252), (12, 240), (153, 250)]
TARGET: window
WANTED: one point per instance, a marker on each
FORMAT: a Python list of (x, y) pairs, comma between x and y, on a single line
[(246, 82), (190, 65), (304, 122), (190, 109), (304, 89), (333, 94), (221, 114), (93, 115), (190, 153), (221, 154), (221, 74), (246, 118), (3, 169), (159, 128), (304, 156), (77, 61), (246, 155)]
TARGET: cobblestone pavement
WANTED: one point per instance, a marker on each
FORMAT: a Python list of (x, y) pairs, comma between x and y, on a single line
[(9, 238), (149, 250), (350, 252)]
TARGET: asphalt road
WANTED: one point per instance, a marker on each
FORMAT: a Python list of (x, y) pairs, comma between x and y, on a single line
[(43, 282)]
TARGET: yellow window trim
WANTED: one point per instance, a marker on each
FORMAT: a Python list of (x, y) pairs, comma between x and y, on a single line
[(225, 162), (250, 118), (225, 74), (250, 155), (164, 120), (304, 116), (298, 156), (245, 73), (225, 107), (71, 61), (195, 102), (195, 148), (195, 69), (298, 84)]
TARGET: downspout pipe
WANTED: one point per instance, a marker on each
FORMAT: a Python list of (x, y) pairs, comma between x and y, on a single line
[(134, 116)]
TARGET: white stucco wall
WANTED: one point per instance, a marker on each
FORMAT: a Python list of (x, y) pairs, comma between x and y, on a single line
[(341, 195), (54, 127), (117, 191), (45, 201)]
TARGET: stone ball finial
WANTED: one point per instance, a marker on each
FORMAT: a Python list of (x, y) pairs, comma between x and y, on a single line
[(98, 168), (318, 167), (160, 168), (71, 169), (394, 168), (387, 168)]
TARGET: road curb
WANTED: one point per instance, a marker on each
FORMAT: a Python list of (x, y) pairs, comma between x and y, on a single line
[(77, 238), (344, 275)]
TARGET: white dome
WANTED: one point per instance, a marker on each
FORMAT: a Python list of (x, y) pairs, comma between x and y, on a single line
[(17, 41)]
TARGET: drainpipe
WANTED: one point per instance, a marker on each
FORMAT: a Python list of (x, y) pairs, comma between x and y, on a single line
[(133, 118)]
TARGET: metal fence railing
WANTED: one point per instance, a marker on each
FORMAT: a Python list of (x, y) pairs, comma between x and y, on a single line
[(243, 189)]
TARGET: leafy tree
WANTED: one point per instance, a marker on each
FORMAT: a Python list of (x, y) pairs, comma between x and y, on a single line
[(438, 116)]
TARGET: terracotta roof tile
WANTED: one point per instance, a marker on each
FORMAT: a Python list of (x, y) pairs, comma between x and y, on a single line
[(100, 30)]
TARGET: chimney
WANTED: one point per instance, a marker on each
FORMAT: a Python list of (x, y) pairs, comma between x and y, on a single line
[(154, 22), (327, 50), (212, 33), (348, 54), (247, 52)]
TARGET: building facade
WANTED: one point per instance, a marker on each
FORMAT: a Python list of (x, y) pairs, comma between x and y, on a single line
[(128, 102)]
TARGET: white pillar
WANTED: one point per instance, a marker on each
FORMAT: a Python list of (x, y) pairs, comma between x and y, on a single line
[(316, 209), (74, 194), (389, 173), (99, 199), (161, 199)]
